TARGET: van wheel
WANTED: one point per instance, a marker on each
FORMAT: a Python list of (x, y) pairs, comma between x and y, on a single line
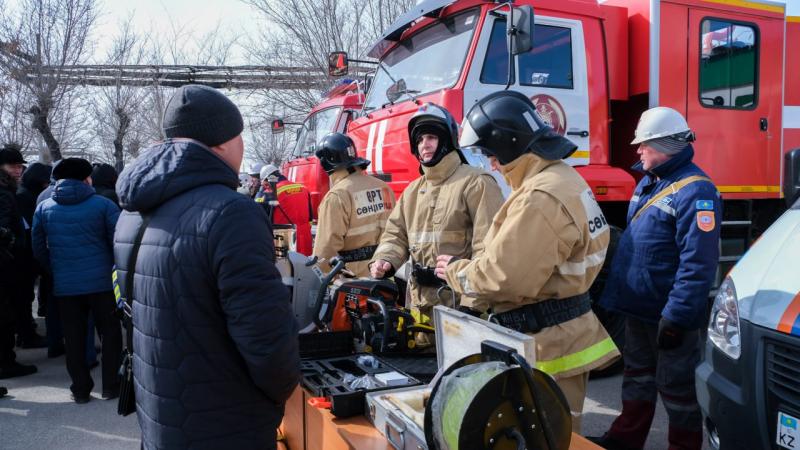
[(614, 323)]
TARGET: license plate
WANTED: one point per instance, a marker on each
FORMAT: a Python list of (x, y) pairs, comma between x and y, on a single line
[(787, 431)]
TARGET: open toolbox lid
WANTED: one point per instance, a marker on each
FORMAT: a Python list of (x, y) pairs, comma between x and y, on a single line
[(459, 335)]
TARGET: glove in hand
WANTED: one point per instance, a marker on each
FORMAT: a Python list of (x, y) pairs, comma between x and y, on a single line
[(670, 336)]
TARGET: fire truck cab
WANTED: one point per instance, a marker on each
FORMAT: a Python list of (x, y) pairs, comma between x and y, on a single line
[(339, 106), (592, 70)]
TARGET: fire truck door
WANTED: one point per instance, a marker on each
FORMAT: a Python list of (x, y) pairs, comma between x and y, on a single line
[(552, 74), (734, 99)]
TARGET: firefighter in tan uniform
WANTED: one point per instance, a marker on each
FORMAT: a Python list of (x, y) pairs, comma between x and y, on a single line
[(353, 213), (545, 248), (447, 210)]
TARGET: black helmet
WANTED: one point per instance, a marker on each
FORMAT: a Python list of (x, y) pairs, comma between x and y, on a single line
[(433, 119), (337, 151), (505, 125)]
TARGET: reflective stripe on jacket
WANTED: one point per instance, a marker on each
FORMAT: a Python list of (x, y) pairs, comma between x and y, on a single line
[(446, 211), (549, 240), (352, 215)]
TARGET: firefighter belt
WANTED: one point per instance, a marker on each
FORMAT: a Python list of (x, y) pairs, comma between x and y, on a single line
[(359, 254), (547, 313)]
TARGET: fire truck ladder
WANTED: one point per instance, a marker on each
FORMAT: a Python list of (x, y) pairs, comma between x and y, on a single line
[(736, 235)]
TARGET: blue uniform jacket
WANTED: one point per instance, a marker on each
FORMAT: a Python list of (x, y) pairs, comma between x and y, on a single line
[(73, 236), (666, 260)]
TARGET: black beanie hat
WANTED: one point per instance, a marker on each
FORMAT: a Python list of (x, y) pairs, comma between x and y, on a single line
[(203, 114), (72, 168), (10, 154)]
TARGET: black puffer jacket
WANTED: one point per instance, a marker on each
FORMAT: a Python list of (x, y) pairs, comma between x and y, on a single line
[(11, 220), (104, 180), (35, 178), (215, 341)]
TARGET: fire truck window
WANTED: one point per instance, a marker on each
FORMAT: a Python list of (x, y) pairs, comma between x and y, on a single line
[(314, 129), (495, 65), (547, 64), (728, 58)]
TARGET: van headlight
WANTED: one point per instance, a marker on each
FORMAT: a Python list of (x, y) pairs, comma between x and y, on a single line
[(723, 327)]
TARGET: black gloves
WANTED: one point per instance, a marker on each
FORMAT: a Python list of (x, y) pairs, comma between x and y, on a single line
[(670, 336)]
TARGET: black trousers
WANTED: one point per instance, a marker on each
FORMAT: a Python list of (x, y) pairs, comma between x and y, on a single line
[(7, 355), (25, 281), (74, 317)]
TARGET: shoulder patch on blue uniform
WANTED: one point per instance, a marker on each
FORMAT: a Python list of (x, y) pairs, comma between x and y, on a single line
[(706, 205)]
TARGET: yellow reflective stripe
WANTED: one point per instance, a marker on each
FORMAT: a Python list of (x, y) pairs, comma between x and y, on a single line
[(117, 294), (282, 189), (577, 359), (114, 275), (793, 19), (730, 189), (420, 318), (580, 154)]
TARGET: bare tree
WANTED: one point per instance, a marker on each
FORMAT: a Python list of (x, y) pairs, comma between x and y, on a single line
[(42, 33), (117, 108), (295, 33), (14, 120)]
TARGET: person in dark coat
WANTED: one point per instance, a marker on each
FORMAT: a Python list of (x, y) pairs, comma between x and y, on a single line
[(214, 339), (104, 181), (12, 244), (73, 237), (34, 180)]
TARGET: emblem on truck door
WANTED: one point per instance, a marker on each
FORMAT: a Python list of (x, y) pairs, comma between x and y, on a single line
[(551, 112)]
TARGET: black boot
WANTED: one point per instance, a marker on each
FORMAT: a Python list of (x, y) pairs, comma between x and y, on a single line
[(3, 392)]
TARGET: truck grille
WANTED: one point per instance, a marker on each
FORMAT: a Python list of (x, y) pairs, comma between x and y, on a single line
[(783, 373)]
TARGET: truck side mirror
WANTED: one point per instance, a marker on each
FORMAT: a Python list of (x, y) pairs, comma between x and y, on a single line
[(520, 29), (338, 64), (278, 126)]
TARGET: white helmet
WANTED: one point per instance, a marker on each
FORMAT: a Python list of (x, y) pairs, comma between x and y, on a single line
[(267, 170), (660, 122), (255, 169)]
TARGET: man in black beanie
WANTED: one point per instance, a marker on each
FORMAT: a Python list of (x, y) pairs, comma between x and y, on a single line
[(214, 338), (72, 238)]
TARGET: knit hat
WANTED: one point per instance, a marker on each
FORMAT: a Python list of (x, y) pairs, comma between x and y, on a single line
[(10, 154), (72, 168), (203, 114), (668, 145)]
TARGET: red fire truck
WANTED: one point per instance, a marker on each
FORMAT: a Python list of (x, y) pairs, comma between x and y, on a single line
[(340, 105)]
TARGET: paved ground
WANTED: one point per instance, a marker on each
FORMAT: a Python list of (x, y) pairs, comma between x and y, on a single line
[(38, 414)]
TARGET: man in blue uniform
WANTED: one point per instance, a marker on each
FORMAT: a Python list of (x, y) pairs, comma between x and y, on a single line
[(660, 279)]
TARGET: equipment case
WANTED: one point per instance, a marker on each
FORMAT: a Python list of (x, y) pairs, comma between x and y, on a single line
[(399, 413)]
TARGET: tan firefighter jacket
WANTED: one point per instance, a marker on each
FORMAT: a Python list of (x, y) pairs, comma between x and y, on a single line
[(549, 240), (352, 217), (447, 210)]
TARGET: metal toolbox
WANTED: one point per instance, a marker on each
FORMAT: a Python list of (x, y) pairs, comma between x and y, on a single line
[(399, 413)]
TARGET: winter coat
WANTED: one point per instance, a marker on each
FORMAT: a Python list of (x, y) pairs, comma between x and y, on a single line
[(104, 180), (666, 259), (215, 341), (11, 220), (34, 180), (352, 217), (72, 236), (446, 211), (548, 241)]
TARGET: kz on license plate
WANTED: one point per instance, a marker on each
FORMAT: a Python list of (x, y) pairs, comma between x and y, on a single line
[(787, 431)]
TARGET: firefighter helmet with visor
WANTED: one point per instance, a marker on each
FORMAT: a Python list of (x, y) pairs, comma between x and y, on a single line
[(337, 151), (505, 125)]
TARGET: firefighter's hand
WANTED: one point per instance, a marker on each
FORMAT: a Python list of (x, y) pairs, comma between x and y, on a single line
[(441, 265), (379, 268)]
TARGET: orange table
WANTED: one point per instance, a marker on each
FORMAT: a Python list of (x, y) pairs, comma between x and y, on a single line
[(306, 427)]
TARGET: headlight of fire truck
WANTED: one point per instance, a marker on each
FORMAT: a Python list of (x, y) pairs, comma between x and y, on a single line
[(723, 327)]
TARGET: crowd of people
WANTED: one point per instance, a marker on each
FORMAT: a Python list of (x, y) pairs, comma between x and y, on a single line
[(215, 348)]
